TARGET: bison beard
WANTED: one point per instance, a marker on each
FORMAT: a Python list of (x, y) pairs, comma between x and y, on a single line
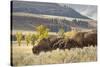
[(79, 41)]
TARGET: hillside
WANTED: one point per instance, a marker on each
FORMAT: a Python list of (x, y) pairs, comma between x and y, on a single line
[(46, 8), (26, 21)]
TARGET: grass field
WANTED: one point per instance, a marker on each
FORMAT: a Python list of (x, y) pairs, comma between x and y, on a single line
[(22, 55)]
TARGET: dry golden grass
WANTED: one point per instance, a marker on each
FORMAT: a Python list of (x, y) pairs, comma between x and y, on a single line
[(22, 55)]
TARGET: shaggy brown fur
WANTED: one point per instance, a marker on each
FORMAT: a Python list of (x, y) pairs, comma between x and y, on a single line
[(44, 45), (71, 43), (80, 40), (90, 39)]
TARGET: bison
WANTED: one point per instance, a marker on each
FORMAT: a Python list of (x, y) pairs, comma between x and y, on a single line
[(90, 39), (85, 39), (80, 40), (43, 45)]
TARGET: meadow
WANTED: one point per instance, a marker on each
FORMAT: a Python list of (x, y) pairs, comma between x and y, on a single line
[(22, 55)]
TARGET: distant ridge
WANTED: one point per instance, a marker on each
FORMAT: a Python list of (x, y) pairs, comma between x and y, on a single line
[(46, 8)]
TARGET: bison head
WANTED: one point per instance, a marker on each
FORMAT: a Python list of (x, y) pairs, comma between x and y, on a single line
[(43, 45)]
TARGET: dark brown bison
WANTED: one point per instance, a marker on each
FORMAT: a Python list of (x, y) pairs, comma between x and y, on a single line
[(85, 39), (43, 45), (48, 45), (65, 44), (80, 40), (71, 43), (55, 43), (90, 39)]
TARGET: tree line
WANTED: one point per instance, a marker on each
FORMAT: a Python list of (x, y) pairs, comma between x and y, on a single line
[(41, 32)]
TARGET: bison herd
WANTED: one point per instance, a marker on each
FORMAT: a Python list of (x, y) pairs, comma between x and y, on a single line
[(80, 40)]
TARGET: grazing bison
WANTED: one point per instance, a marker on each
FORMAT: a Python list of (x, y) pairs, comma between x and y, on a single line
[(79, 37), (85, 39), (54, 42), (43, 45), (90, 39), (71, 43), (47, 45), (80, 40)]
